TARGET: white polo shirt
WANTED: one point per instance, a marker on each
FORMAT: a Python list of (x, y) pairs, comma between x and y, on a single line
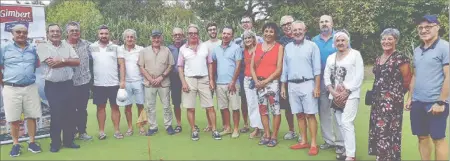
[(131, 60), (195, 63), (106, 66)]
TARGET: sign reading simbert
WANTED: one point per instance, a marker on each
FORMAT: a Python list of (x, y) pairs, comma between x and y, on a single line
[(16, 13)]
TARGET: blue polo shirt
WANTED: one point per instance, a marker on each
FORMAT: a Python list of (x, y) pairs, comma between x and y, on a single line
[(19, 65), (429, 73), (326, 49), (226, 62)]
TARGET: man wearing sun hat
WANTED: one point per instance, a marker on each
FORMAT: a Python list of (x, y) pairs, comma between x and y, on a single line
[(155, 63), (429, 90)]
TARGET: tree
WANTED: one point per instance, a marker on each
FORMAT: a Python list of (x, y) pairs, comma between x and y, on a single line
[(84, 12)]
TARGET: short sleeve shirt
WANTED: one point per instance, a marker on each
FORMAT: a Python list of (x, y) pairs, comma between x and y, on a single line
[(155, 64), (226, 62), (65, 51), (429, 73), (106, 67), (18, 64), (131, 57)]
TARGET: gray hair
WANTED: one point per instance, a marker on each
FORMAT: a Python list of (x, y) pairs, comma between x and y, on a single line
[(391, 31), (73, 23), (299, 22), (193, 26), (133, 32), (249, 33), (18, 26)]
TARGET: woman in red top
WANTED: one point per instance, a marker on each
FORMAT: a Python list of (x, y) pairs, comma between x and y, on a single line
[(266, 69), (250, 93)]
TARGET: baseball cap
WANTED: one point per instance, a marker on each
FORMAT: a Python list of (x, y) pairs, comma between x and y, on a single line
[(156, 33), (429, 18), (122, 97)]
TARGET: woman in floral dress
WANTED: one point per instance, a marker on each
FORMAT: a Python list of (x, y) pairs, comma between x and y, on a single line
[(392, 78)]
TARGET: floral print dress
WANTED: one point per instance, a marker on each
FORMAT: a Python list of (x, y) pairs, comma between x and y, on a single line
[(385, 127)]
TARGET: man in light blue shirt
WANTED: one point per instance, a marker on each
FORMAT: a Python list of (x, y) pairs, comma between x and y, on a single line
[(330, 133), (18, 63), (301, 70), (227, 57)]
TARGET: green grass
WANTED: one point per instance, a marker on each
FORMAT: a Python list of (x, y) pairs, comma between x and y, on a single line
[(180, 146)]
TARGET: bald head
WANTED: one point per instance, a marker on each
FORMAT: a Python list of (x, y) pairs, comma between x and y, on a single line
[(326, 24)]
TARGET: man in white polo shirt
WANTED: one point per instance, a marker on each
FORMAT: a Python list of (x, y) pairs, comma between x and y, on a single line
[(107, 62), (133, 78), (195, 69)]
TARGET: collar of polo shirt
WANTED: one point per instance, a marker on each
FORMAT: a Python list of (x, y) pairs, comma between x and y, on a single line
[(432, 45)]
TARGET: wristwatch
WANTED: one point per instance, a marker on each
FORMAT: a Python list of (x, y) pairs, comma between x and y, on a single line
[(441, 103)]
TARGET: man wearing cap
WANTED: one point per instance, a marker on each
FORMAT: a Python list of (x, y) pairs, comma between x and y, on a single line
[(18, 62), (155, 63), (196, 74), (81, 78), (175, 82), (58, 59), (429, 90), (109, 76), (328, 125), (134, 85), (286, 25)]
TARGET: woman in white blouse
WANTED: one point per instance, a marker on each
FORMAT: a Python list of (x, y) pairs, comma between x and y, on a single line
[(344, 73)]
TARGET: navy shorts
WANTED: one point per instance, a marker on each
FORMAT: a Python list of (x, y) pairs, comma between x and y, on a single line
[(103, 94), (424, 123), (175, 89), (284, 103)]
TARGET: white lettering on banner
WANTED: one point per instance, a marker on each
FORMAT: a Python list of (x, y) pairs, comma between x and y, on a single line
[(6, 13), (15, 14)]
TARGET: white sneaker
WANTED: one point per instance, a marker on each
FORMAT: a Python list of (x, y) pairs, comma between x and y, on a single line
[(290, 135)]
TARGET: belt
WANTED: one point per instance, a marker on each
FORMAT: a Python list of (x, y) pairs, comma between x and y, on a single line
[(16, 85), (300, 80), (197, 77), (261, 78)]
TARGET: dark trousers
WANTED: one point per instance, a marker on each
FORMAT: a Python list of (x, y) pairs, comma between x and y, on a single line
[(80, 100), (62, 110)]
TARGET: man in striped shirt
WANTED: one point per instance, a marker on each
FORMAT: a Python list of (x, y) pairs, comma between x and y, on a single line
[(58, 59)]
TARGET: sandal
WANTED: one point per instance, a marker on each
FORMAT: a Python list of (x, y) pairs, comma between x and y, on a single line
[(142, 132), (264, 141), (207, 129), (118, 136), (178, 129), (129, 133), (244, 130), (102, 136), (272, 143)]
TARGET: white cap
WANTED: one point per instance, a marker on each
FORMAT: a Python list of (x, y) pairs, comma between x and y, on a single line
[(122, 97)]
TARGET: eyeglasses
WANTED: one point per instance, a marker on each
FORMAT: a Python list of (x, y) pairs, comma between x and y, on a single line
[(286, 24), (177, 35), (245, 21), (193, 33), (74, 31), (427, 28)]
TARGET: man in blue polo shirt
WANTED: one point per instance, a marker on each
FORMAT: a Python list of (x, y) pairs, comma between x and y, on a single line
[(430, 90), (330, 134), (18, 63)]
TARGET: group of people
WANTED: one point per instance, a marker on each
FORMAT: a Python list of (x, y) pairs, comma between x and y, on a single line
[(256, 75)]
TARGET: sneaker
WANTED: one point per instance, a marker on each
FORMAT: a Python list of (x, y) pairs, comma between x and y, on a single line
[(178, 129), (225, 132), (15, 151), (216, 135), (72, 146), (195, 136), (290, 135), (84, 136), (325, 146), (170, 130), (196, 128), (340, 150), (152, 132), (54, 149), (34, 148)]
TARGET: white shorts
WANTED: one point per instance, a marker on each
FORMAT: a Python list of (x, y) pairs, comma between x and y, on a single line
[(135, 91), (302, 99)]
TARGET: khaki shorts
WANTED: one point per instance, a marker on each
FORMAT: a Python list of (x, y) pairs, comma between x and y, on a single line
[(227, 100), (18, 100), (198, 86)]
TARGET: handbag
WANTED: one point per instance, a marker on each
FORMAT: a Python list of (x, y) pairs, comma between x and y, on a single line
[(371, 93), (335, 104)]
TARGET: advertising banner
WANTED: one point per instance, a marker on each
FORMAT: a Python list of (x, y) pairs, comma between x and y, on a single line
[(33, 17)]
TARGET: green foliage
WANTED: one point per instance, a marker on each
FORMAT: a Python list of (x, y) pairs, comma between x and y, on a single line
[(85, 12)]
